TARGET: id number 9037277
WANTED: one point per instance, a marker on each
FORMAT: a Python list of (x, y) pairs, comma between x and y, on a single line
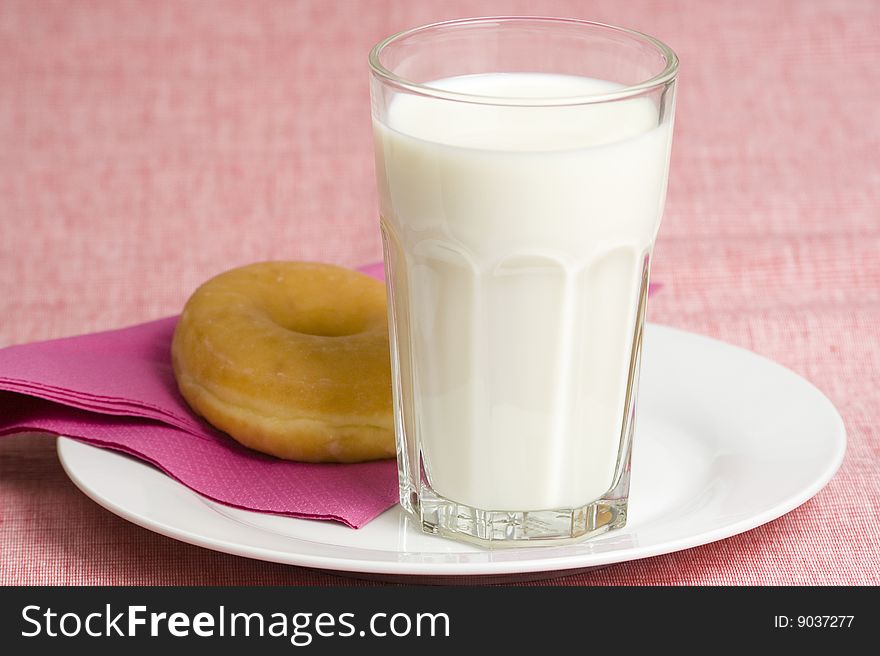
[(813, 621)]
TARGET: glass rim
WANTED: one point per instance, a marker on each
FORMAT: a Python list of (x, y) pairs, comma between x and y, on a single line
[(665, 76)]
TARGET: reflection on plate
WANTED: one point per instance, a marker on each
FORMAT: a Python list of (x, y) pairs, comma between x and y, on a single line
[(726, 441)]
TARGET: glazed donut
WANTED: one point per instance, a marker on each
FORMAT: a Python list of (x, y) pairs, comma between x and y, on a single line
[(291, 359)]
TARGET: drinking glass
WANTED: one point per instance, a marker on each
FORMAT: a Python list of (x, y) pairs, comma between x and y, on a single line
[(521, 165)]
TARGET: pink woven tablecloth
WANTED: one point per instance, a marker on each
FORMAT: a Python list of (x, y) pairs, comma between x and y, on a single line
[(145, 146)]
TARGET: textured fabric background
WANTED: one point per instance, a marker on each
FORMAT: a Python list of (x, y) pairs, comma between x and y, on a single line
[(145, 146)]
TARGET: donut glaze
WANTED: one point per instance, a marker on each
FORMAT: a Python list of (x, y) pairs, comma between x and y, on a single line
[(291, 359)]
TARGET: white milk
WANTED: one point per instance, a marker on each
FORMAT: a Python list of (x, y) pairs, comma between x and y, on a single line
[(519, 239)]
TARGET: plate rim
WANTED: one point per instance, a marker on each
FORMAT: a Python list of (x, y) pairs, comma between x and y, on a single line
[(533, 565)]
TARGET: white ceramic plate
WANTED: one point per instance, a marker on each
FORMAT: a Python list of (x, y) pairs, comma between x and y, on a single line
[(726, 441)]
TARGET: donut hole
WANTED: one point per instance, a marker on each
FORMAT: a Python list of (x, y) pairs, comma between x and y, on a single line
[(324, 326), (317, 300), (319, 321)]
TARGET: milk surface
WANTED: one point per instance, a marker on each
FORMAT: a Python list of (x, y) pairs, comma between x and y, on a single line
[(518, 240)]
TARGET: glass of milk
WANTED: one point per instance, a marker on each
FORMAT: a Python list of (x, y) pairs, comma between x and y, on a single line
[(521, 166)]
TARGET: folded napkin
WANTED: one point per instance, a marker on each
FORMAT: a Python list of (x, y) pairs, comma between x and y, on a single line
[(116, 390)]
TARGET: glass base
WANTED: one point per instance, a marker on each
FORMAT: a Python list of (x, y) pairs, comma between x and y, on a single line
[(497, 528)]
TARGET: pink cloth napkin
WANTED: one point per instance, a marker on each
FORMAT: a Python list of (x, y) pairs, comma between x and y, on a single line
[(117, 390)]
